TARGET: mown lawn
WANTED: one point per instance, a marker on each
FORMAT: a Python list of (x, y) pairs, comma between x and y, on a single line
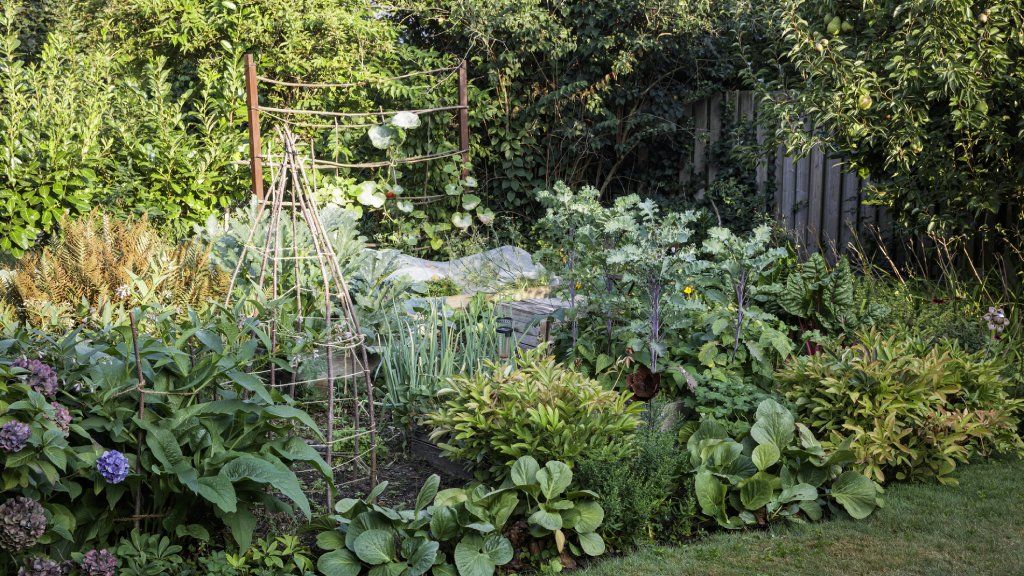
[(974, 528)]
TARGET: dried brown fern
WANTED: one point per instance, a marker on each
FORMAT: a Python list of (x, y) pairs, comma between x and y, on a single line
[(97, 255)]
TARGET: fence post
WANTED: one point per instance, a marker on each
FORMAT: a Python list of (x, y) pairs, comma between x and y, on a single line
[(464, 116), (255, 147)]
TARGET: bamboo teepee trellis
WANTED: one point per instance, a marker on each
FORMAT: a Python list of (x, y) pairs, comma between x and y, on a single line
[(294, 245)]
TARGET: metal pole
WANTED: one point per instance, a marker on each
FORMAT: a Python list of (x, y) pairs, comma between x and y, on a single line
[(255, 148), (464, 117)]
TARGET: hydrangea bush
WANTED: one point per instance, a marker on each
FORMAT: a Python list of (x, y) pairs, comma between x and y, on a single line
[(70, 455), (22, 523), (38, 566), (13, 436), (41, 377), (99, 563)]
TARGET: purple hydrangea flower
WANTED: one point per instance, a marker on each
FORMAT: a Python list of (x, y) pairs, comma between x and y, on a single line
[(41, 567), (41, 377), (113, 466), (13, 436), (61, 417), (22, 523), (99, 563)]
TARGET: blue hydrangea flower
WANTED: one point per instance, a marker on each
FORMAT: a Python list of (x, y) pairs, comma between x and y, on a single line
[(113, 466), (41, 378), (13, 436)]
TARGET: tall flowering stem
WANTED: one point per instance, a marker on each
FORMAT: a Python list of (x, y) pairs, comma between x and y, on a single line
[(142, 410)]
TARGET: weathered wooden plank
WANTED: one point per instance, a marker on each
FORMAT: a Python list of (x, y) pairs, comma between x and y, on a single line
[(746, 106), (885, 233), (714, 135), (800, 199), (779, 162), (832, 214), (700, 139), (760, 136), (850, 209), (815, 199), (867, 225), (531, 319), (686, 166), (788, 192)]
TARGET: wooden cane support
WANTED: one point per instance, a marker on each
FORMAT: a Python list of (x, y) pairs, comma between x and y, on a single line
[(252, 99), (464, 116), (142, 411)]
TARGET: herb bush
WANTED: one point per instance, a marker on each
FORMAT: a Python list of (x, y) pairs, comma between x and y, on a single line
[(469, 531), (779, 471), (913, 408), (642, 492), (214, 438), (538, 408)]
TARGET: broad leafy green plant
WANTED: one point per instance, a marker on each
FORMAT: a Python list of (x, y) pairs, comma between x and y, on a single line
[(820, 296), (538, 408), (427, 538), (216, 442), (461, 531), (779, 471)]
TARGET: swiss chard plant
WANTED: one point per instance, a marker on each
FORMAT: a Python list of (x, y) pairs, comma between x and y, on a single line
[(780, 471)]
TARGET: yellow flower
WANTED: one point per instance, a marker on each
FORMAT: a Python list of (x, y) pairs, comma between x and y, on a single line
[(688, 290)]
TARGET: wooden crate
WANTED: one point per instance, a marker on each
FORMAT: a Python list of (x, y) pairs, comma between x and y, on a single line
[(533, 320)]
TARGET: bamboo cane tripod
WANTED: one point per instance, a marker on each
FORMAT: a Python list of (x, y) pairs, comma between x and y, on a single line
[(280, 267)]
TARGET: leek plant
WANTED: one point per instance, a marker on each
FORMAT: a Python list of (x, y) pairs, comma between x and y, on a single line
[(420, 351)]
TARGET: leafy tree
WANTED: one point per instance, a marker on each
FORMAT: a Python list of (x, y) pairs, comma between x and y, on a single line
[(589, 92), (925, 97)]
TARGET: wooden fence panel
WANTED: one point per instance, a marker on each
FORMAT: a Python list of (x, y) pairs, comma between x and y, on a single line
[(832, 211), (813, 197)]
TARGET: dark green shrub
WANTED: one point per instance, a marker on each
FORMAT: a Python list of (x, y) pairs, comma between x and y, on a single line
[(641, 492), (914, 408), (942, 146)]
